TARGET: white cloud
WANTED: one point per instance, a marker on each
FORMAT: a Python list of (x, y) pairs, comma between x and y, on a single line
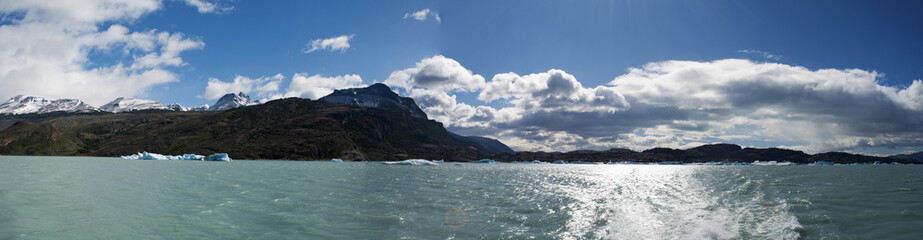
[(338, 43), (826, 109), (317, 86), (439, 73), (268, 88), (46, 51), (551, 91), (676, 104), (763, 54), (207, 7), (422, 15), (262, 87)]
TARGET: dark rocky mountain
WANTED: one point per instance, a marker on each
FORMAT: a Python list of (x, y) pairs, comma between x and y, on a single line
[(377, 95), (706, 153), (294, 129), (380, 96), (483, 144), (915, 156)]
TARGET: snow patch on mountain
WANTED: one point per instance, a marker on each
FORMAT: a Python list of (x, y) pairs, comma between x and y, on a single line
[(124, 104)]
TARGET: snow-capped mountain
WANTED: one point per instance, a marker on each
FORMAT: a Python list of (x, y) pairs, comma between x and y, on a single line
[(124, 104), (231, 101), (23, 104), (67, 105), (177, 107), (203, 107)]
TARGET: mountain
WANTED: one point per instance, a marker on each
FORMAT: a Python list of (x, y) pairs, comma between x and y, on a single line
[(380, 96), (295, 129), (124, 104), (483, 144), (203, 107), (915, 156), (177, 107), (231, 101), (31, 104), (22, 104), (707, 153), (377, 95)]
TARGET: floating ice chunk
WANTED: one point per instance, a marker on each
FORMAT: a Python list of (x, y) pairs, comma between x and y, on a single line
[(822, 163), (415, 162), (155, 156), (560, 162), (222, 157), (336, 160), (771, 163), (485, 161)]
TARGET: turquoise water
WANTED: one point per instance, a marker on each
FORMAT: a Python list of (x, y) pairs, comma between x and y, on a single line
[(109, 198)]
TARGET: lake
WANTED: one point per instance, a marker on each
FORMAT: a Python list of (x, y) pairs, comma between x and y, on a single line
[(110, 198)]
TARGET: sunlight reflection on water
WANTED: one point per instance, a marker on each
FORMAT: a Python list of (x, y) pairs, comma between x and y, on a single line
[(666, 202)]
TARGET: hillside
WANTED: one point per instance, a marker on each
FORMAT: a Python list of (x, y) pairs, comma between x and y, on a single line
[(294, 129)]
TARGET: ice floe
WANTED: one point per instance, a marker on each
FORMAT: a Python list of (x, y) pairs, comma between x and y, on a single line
[(223, 157), (415, 162)]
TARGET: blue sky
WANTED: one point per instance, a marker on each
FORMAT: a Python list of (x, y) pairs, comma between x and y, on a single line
[(593, 40), (593, 43)]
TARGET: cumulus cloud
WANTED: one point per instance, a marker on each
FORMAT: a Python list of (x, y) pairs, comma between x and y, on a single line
[(422, 15), (317, 86), (552, 91), (677, 104), (826, 109), (262, 87), (338, 43), (438, 73), (45, 50)]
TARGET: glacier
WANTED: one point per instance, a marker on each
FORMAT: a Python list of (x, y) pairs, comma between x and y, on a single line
[(413, 162)]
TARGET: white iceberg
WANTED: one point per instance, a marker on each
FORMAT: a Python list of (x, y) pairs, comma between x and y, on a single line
[(771, 163), (155, 156), (221, 157), (336, 160), (485, 161), (414, 162)]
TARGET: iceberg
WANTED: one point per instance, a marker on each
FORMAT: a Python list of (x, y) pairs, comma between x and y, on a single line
[(414, 162), (155, 156), (559, 162), (336, 160), (221, 157), (485, 161), (771, 163)]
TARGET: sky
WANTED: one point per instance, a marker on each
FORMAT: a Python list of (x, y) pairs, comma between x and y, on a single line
[(815, 76)]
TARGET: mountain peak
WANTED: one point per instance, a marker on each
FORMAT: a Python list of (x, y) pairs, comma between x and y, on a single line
[(377, 95), (231, 101)]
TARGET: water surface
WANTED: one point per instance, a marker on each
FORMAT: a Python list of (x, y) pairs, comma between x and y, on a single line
[(109, 198)]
